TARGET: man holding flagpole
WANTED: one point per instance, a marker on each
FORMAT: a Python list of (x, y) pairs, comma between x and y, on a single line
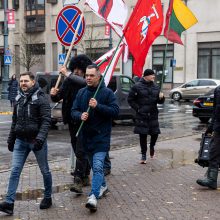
[(96, 132)]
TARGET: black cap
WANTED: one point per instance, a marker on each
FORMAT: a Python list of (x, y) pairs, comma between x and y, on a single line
[(148, 72)]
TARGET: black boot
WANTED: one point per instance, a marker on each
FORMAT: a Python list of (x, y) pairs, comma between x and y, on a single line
[(211, 180), (7, 207), (77, 185), (86, 181), (46, 203)]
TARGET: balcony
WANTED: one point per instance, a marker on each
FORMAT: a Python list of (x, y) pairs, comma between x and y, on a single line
[(35, 23)]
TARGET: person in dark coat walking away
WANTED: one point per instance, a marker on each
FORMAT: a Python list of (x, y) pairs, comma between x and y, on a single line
[(214, 153), (30, 124), (67, 92), (12, 89), (96, 131), (143, 98)]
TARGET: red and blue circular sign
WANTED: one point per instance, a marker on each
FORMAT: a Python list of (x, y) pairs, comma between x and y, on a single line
[(66, 25)]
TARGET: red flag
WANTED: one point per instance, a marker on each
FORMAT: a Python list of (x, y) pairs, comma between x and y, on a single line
[(108, 56), (144, 26)]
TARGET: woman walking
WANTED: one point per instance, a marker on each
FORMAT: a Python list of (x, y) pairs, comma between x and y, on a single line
[(12, 89)]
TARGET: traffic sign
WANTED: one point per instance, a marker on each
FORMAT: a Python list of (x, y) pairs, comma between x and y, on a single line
[(7, 59), (62, 58), (66, 25)]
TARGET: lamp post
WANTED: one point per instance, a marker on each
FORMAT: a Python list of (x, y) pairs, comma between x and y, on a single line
[(5, 76)]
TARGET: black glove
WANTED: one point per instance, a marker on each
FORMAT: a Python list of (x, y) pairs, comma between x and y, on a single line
[(209, 130), (38, 144), (11, 146), (11, 143)]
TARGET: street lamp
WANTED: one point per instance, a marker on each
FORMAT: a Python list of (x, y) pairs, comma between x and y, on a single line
[(5, 75)]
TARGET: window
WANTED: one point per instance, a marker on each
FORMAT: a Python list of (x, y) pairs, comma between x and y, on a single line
[(35, 15), (192, 83), (206, 83), (1, 4), (15, 4), (95, 53), (158, 56), (209, 60), (126, 83), (36, 49), (1, 28)]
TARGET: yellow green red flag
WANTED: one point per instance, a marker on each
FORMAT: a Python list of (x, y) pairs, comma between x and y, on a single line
[(178, 19)]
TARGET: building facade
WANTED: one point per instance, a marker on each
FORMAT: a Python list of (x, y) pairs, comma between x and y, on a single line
[(35, 32)]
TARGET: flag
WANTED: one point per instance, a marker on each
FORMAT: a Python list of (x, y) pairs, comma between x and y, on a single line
[(178, 19), (113, 12), (144, 26), (108, 56)]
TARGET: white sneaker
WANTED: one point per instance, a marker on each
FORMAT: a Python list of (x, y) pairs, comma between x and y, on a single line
[(92, 203), (103, 191)]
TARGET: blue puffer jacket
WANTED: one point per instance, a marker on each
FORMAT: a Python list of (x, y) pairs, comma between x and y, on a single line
[(96, 131)]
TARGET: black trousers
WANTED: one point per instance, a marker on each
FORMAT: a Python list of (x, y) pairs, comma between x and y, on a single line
[(143, 142), (82, 167), (214, 154)]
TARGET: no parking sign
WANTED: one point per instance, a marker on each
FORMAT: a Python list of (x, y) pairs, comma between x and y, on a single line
[(66, 25)]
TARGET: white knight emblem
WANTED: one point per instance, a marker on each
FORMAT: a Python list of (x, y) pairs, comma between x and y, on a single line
[(146, 22)]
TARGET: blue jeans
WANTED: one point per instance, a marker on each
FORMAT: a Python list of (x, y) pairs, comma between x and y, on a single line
[(107, 162), (96, 161), (20, 154)]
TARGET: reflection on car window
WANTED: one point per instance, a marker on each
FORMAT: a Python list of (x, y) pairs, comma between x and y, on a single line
[(192, 83), (126, 83), (207, 83)]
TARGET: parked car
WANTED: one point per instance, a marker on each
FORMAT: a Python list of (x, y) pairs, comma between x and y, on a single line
[(203, 106), (120, 85), (193, 89)]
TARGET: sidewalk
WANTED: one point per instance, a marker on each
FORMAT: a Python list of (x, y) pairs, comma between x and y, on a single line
[(165, 188)]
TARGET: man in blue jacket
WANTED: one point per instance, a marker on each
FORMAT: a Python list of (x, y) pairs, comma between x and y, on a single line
[(96, 131)]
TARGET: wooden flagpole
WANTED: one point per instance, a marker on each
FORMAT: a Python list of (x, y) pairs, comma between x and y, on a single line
[(102, 78), (70, 49)]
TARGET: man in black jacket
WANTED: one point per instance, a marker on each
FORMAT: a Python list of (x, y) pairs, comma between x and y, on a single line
[(67, 92), (30, 124), (214, 154), (143, 98)]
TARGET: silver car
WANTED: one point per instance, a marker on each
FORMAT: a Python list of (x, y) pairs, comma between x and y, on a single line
[(193, 89)]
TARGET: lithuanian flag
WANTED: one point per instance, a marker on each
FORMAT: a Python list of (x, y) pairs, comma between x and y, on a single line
[(178, 19)]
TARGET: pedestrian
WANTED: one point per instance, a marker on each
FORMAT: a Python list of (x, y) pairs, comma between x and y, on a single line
[(67, 92), (30, 124), (143, 98), (214, 153), (96, 131), (12, 89)]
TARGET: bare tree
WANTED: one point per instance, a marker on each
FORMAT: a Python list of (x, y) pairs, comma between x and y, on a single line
[(28, 56), (93, 42)]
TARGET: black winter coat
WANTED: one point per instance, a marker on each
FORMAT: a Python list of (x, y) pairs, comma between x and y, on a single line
[(67, 92), (96, 131), (143, 98), (12, 89), (215, 122), (31, 116)]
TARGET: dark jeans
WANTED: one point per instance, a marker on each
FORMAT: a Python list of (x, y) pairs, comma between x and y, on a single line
[(143, 142), (82, 168), (19, 156), (214, 154)]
